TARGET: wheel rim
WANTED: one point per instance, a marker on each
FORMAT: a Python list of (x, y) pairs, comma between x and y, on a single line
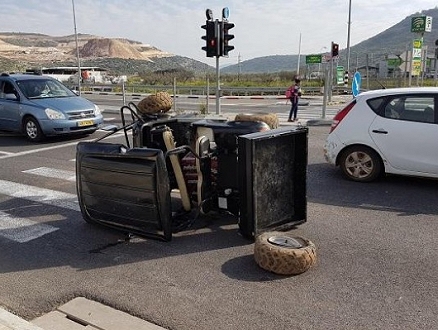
[(359, 165), (31, 129), (287, 242)]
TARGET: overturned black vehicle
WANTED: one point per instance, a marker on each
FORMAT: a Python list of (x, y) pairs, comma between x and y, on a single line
[(243, 169)]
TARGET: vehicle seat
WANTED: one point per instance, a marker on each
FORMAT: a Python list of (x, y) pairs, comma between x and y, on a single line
[(169, 141), (9, 89), (395, 110), (203, 169), (429, 115)]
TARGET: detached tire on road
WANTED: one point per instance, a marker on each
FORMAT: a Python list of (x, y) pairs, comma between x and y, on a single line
[(271, 119), (283, 254), (155, 103)]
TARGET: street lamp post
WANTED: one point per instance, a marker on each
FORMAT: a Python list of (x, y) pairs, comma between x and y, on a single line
[(299, 56), (348, 36), (77, 48)]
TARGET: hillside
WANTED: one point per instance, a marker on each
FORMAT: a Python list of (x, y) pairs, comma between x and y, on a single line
[(20, 51), (393, 41)]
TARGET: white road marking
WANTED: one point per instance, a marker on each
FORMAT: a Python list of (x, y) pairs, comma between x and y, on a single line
[(6, 153), (24, 230), (33, 151), (41, 195), (53, 173)]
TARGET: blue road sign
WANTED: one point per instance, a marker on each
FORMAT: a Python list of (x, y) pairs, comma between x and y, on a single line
[(355, 85), (225, 13)]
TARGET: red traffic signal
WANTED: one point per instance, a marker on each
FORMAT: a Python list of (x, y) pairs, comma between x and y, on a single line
[(211, 38)]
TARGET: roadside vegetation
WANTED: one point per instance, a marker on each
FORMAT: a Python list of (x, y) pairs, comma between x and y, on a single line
[(281, 80)]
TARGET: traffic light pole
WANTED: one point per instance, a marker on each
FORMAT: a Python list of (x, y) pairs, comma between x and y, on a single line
[(326, 88), (218, 88), (330, 81), (216, 39)]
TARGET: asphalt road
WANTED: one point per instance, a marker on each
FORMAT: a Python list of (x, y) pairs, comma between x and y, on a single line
[(376, 248), (310, 107)]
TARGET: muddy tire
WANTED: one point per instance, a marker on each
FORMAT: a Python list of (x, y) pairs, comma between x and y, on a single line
[(269, 118), (156, 103), (283, 254)]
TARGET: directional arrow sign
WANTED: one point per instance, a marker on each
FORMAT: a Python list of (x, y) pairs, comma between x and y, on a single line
[(355, 85)]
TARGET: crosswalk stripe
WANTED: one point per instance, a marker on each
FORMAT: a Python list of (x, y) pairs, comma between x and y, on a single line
[(41, 195), (24, 230), (53, 173)]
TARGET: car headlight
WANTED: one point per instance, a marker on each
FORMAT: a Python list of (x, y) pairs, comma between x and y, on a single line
[(54, 114), (97, 110)]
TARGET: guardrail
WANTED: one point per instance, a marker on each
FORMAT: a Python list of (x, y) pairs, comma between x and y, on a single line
[(202, 90)]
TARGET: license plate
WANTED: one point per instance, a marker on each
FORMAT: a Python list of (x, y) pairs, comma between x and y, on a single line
[(85, 123)]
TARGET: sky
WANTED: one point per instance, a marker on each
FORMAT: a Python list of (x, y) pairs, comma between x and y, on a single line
[(262, 27)]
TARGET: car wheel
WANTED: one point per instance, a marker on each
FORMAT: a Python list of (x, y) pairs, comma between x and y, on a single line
[(280, 253), (360, 164), (32, 129)]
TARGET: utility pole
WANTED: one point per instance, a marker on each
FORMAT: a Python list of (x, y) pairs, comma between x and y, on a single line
[(239, 65), (77, 49), (299, 55), (348, 36)]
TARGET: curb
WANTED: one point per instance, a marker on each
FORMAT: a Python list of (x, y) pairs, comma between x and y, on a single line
[(88, 314), (78, 313), (9, 321)]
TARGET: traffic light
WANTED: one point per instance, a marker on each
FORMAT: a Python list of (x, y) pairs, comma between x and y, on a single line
[(335, 49), (211, 38), (225, 38)]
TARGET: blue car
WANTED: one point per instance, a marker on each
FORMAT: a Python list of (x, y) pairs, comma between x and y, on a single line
[(40, 106)]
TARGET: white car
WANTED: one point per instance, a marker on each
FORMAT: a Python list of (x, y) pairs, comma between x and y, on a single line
[(386, 131)]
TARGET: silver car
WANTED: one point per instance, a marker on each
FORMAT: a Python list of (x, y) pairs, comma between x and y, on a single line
[(40, 106)]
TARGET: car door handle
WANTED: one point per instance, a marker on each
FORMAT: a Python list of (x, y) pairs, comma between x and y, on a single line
[(380, 131)]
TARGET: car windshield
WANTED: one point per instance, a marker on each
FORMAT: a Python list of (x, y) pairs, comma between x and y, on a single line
[(43, 88)]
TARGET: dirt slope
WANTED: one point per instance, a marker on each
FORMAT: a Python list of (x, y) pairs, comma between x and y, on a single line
[(34, 48)]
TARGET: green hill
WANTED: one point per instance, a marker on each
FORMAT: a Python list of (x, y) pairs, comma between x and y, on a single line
[(393, 41)]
